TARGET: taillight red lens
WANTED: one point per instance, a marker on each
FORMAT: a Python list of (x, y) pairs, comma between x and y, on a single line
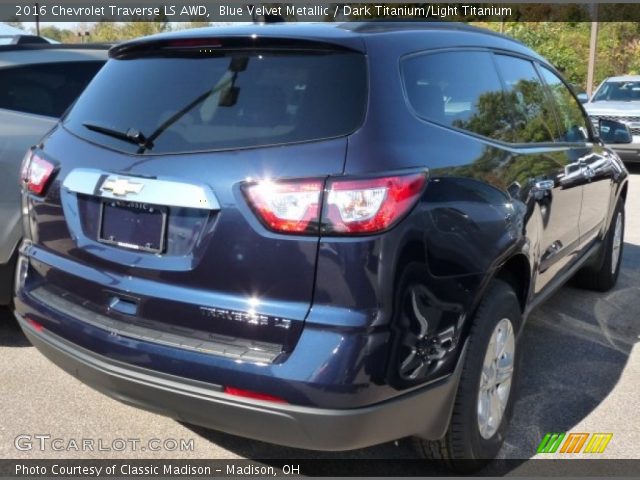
[(36, 326), (369, 205), (36, 172), (194, 42), (350, 206), (238, 392), (289, 207)]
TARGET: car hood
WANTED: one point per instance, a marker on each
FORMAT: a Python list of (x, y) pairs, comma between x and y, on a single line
[(612, 108)]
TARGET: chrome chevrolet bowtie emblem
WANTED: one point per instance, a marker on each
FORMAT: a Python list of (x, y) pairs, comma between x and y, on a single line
[(120, 187)]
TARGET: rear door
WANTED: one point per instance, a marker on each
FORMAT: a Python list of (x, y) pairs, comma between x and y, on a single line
[(153, 160), (594, 168), (551, 171)]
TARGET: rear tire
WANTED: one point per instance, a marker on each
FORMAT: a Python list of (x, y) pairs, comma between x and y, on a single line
[(604, 276), (476, 434)]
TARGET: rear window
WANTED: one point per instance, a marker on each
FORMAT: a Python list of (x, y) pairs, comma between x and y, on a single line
[(45, 88), (227, 101)]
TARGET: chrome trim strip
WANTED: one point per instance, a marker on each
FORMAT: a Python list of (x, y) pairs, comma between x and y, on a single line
[(151, 331), (155, 191)]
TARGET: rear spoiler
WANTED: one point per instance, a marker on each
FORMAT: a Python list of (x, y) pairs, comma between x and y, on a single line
[(222, 43)]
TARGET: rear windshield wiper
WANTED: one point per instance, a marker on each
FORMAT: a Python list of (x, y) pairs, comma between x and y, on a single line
[(131, 135)]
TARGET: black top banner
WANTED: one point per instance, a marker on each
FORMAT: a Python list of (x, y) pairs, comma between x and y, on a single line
[(308, 11)]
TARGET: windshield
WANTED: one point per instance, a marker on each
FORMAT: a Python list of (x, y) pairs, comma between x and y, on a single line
[(618, 92), (227, 101)]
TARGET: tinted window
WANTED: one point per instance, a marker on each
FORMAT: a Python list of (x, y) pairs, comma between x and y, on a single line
[(527, 103), (572, 121), (458, 89), (45, 89), (618, 91), (224, 101)]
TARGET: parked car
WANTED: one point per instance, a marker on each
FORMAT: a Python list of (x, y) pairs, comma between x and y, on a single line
[(618, 99), (321, 236), (22, 39), (37, 84)]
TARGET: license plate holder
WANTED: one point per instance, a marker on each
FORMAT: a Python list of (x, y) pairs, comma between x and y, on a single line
[(133, 225)]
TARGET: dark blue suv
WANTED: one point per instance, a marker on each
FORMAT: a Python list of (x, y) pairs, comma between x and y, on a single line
[(323, 236)]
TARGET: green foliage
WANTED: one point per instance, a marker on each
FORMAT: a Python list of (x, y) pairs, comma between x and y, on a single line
[(566, 46)]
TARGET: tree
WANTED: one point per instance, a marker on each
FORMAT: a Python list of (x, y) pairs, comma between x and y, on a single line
[(61, 35), (106, 31), (14, 22), (138, 28), (194, 23)]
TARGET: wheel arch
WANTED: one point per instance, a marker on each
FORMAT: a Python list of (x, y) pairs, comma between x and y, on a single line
[(516, 271)]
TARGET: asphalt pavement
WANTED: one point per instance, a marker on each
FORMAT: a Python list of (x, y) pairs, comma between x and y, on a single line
[(580, 373)]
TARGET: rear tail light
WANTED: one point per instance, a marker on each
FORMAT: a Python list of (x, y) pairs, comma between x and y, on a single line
[(238, 392), (370, 205), (36, 172), (289, 207), (362, 206), (36, 326)]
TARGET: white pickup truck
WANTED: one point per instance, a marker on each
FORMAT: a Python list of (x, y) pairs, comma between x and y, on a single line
[(618, 99), (38, 82)]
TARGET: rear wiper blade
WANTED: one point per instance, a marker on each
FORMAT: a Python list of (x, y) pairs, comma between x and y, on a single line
[(131, 135)]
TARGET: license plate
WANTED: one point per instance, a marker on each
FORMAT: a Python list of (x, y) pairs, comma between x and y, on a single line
[(133, 225)]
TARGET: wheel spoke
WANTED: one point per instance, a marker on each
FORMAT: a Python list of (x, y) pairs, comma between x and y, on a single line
[(422, 321), (491, 350), (418, 371), (484, 378), (496, 414), (504, 372), (412, 366), (407, 361)]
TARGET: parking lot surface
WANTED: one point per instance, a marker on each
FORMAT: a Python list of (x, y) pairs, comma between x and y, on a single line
[(581, 372)]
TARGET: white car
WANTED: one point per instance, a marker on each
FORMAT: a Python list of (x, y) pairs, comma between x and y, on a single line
[(38, 82), (618, 98)]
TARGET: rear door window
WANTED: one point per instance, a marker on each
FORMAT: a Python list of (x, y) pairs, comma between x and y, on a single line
[(223, 101), (528, 105), (46, 88), (458, 89), (572, 119)]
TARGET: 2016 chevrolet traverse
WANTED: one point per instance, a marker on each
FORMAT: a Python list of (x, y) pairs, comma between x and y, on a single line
[(323, 236)]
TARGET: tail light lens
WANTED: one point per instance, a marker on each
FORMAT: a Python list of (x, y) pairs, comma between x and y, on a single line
[(36, 172), (288, 207), (361, 206), (369, 205), (37, 326)]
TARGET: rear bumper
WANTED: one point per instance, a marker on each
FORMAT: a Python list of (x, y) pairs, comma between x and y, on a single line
[(424, 412)]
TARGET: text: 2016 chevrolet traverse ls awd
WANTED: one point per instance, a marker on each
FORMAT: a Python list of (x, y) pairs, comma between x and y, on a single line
[(323, 236)]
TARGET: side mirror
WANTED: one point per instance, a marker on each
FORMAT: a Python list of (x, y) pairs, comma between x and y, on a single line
[(583, 97), (613, 132)]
